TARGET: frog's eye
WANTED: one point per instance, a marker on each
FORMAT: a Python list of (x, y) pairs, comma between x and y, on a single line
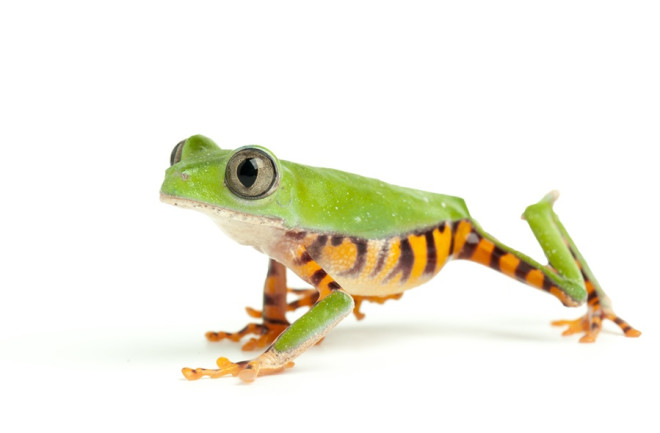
[(176, 152), (251, 173)]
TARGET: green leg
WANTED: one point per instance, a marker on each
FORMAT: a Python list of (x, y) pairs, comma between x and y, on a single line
[(543, 222), (334, 304), (567, 261)]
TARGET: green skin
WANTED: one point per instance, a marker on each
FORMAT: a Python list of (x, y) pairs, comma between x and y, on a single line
[(332, 201), (312, 198)]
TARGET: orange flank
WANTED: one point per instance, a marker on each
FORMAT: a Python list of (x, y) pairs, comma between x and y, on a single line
[(461, 234), (390, 261), (442, 241), (343, 256), (419, 250), (372, 256)]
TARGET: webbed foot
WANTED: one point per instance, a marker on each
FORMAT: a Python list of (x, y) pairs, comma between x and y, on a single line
[(265, 333), (268, 330), (592, 322), (247, 371), (306, 298), (376, 299)]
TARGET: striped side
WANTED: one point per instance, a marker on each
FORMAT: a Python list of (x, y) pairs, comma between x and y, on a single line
[(311, 271), (380, 267)]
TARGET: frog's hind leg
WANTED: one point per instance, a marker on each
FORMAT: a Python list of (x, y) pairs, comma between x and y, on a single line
[(375, 299), (273, 315), (306, 298), (567, 277), (599, 306)]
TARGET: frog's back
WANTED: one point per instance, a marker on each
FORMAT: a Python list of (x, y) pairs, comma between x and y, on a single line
[(334, 201)]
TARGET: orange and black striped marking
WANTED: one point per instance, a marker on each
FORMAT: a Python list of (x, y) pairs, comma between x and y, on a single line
[(382, 267), (314, 273), (375, 267), (379, 269), (472, 245), (376, 270)]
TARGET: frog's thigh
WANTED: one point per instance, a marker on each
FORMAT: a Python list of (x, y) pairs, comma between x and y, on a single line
[(562, 278)]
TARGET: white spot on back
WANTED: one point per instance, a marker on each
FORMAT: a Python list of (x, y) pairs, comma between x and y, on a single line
[(472, 238)]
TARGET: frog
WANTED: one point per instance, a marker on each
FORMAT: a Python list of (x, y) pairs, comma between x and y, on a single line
[(355, 239)]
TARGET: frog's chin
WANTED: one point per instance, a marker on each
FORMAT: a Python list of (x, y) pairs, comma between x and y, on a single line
[(260, 232), (222, 216)]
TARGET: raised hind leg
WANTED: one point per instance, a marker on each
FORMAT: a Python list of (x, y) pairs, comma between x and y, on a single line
[(599, 306), (567, 277)]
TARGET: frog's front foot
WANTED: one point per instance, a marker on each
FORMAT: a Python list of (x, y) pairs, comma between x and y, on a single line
[(247, 371), (265, 332), (592, 322)]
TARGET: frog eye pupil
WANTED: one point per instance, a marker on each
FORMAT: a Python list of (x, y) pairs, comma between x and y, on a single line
[(247, 172)]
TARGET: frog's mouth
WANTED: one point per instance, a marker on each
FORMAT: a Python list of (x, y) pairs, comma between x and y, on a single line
[(220, 214)]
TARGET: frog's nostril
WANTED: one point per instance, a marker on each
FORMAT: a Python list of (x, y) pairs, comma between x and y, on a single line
[(176, 152)]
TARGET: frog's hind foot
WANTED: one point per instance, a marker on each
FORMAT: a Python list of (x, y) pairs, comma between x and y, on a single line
[(591, 324), (376, 299), (225, 367), (306, 298), (265, 333), (247, 371)]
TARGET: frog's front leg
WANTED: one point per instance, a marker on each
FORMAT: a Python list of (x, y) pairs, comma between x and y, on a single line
[(333, 305), (273, 314)]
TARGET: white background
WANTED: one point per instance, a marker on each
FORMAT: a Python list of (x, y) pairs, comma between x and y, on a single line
[(106, 293)]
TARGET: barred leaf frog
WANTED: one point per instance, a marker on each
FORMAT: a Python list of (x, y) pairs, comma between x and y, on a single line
[(355, 239)]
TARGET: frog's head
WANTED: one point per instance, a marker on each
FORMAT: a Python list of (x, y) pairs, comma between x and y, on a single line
[(244, 183)]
